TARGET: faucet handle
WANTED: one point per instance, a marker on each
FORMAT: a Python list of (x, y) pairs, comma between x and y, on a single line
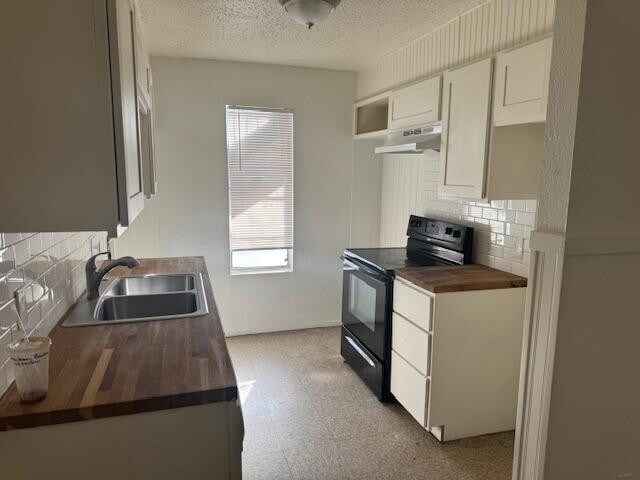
[(91, 263)]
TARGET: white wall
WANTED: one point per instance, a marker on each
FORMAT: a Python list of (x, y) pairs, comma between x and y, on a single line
[(189, 216), (366, 194)]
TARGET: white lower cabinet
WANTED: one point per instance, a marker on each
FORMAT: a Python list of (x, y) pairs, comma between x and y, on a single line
[(410, 388), (455, 358)]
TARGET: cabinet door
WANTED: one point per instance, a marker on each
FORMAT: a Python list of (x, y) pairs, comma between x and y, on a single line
[(147, 153), (416, 104), (143, 69), (465, 130), (522, 84), (125, 103)]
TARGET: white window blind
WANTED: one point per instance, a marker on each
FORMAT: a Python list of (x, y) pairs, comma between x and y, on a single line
[(260, 165)]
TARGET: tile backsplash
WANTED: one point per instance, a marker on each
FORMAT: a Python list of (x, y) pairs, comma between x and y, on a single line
[(501, 228), (50, 269)]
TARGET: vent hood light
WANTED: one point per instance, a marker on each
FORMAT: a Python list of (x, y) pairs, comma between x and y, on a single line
[(309, 12), (412, 140)]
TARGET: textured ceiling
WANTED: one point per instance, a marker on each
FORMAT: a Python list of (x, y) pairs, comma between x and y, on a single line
[(354, 36)]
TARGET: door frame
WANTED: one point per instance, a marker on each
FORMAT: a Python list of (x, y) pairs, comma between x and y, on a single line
[(538, 354)]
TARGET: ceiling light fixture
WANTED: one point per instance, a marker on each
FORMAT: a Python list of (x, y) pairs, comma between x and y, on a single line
[(309, 12)]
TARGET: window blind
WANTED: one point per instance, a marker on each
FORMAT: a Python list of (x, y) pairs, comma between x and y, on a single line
[(260, 166)]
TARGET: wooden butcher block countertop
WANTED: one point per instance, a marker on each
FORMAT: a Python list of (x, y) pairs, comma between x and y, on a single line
[(460, 278), (109, 370)]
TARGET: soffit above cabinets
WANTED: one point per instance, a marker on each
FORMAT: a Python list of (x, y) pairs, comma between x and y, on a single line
[(357, 34)]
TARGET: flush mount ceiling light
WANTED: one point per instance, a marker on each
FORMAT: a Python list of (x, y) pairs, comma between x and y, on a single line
[(309, 12)]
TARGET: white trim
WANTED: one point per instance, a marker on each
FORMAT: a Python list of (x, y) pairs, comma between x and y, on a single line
[(288, 268), (538, 352)]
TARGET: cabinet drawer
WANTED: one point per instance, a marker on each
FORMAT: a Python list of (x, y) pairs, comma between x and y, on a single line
[(411, 343), (412, 304), (410, 388)]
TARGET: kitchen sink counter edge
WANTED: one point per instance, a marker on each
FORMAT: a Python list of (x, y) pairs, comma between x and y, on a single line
[(109, 370)]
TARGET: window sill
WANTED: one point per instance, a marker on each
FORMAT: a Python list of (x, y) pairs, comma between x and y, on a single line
[(260, 271)]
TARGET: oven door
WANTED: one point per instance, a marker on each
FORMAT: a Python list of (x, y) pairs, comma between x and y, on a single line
[(365, 303)]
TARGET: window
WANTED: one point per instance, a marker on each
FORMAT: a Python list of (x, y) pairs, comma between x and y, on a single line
[(260, 165)]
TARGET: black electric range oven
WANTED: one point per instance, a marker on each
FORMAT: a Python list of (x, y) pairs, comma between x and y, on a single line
[(367, 293)]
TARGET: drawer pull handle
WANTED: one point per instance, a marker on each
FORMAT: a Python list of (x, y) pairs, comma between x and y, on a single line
[(360, 351)]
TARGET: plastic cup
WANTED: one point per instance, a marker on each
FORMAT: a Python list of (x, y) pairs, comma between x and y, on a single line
[(30, 359)]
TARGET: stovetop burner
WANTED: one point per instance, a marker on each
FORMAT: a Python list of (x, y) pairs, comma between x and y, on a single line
[(388, 259)]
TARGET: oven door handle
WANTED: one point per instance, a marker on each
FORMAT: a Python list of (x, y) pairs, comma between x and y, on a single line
[(368, 271), (357, 348)]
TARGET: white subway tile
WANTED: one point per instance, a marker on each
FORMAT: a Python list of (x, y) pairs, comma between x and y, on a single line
[(518, 205), (7, 260), (475, 211), (490, 214), (513, 254), (482, 247), (496, 226), (35, 244), (507, 215), (525, 218), (5, 340), (11, 238), (520, 269), (514, 230), (483, 259), (501, 264), (531, 205), (22, 254), (4, 375)]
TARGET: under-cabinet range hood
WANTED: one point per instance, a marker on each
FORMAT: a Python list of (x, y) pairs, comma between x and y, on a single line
[(412, 140)]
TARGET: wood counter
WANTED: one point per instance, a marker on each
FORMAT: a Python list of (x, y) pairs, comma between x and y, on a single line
[(109, 370), (459, 278)]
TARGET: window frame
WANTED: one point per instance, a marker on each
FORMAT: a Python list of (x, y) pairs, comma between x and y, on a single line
[(258, 270)]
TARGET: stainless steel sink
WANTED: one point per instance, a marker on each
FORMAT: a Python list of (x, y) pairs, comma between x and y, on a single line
[(151, 284), (145, 298), (147, 306)]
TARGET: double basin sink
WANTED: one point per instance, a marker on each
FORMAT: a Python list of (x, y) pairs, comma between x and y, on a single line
[(144, 298)]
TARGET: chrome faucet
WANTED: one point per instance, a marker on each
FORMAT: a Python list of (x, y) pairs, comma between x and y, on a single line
[(94, 276)]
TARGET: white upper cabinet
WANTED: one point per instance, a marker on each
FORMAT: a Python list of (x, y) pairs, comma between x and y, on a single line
[(123, 35), (522, 84), (73, 137), (371, 116), (466, 116), (416, 104), (143, 66)]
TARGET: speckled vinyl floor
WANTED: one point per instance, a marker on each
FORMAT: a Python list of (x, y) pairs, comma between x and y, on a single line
[(308, 416)]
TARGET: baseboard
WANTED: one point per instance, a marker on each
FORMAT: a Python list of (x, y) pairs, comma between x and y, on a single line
[(280, 328)]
